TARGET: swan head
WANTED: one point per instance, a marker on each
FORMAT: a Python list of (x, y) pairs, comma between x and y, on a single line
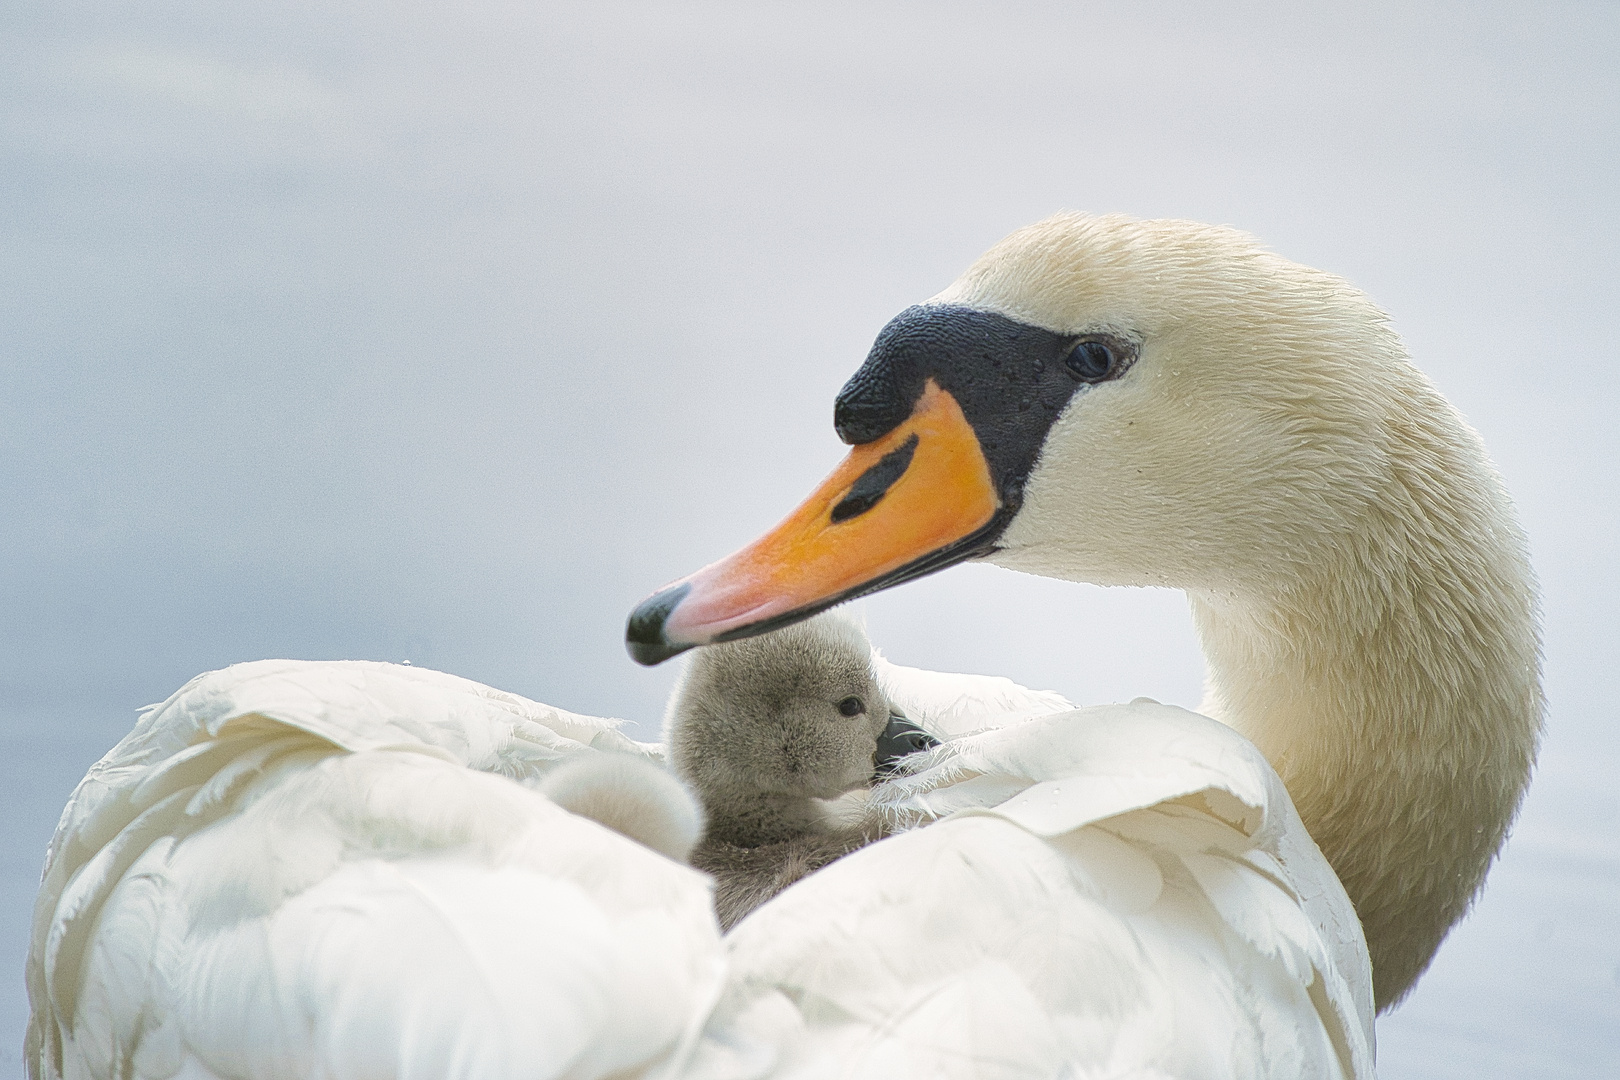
[(1099, 399), (798, 713)]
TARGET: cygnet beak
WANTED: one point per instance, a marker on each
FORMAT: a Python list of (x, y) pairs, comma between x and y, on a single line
[(900, 739)]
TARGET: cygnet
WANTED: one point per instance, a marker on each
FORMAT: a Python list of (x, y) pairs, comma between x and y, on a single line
[(766, 731)]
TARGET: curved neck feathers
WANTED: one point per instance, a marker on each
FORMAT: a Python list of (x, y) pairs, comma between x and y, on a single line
[(1396, 690)]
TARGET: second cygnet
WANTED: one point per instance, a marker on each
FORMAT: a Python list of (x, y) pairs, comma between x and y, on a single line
[(764, 730)]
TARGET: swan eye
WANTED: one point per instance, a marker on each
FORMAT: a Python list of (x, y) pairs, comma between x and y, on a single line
[(1093, 361), (851, 706)]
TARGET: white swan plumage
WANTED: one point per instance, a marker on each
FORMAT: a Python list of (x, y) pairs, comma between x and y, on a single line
[(345, 869), (1122, 890), (351, 870)]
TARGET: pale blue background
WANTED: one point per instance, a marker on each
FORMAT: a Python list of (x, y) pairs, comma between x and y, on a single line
[(444, 332)]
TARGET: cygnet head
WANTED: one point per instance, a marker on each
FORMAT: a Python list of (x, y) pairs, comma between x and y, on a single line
[(795, 713)]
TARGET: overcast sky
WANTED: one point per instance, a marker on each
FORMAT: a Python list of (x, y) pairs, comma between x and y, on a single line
[(445, 332)]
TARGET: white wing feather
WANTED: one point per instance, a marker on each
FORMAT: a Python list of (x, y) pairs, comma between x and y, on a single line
[(297, 869), (948, 704)]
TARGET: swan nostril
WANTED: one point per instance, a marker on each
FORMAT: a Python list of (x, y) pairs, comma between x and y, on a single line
[(875, 482)]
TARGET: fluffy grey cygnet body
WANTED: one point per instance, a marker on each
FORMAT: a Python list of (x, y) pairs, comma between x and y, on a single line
[(762, 729)]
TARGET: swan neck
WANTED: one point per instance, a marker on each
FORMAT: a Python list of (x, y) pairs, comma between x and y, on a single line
[(1401, 707)]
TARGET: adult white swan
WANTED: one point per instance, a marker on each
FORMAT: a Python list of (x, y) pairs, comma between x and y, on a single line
[(1164, 403), (352, 870)]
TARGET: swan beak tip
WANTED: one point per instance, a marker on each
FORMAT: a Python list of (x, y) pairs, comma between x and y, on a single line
[(644, 635)]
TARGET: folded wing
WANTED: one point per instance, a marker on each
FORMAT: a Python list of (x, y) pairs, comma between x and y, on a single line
[(342, 870)]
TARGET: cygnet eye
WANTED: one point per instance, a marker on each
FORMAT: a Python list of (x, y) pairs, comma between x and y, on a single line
[(851, 706), (1095, 360)]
